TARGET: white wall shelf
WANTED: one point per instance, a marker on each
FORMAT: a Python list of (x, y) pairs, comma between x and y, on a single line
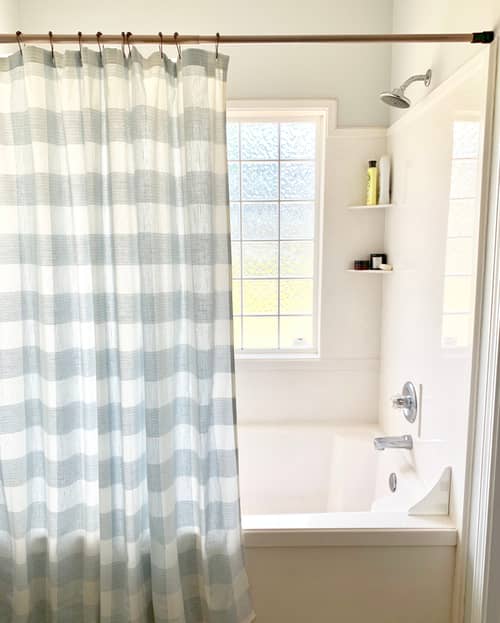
[(379, 272), (378, 206)]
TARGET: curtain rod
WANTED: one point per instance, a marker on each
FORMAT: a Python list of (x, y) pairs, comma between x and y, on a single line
[(486, 36)]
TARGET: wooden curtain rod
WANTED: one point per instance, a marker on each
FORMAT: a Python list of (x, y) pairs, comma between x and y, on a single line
[(486, 36)]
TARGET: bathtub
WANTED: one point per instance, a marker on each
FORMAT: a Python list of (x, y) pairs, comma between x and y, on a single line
[(326, 540)]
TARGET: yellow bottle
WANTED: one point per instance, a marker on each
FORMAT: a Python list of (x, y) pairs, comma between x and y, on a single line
[(371, 186)]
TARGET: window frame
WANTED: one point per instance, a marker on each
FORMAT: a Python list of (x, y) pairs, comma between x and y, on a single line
[(282, 112)]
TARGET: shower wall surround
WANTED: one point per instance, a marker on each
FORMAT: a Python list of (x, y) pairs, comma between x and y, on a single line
[(433, 238)]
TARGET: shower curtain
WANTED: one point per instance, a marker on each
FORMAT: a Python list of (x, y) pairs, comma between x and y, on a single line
[(118, 469)]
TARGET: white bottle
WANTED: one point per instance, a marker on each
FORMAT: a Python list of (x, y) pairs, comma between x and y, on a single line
[(384, 168)]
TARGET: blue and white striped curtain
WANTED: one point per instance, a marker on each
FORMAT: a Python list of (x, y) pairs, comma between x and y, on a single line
[(118, 470)]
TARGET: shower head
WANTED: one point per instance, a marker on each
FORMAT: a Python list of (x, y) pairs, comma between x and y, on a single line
[(397, 97)]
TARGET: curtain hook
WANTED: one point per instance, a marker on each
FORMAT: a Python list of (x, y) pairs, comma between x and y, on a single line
[(98, 36), (129, 34), (51, 43), (179, 54), (18, 37), (160, 34), (80, 42), (217, 34)]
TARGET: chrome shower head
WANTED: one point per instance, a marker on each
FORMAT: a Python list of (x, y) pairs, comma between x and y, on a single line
[(397, 97)]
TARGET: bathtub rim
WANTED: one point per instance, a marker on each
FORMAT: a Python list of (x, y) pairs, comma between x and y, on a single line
[(348, 529)]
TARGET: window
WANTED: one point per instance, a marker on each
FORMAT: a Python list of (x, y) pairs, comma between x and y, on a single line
[(275, 169)]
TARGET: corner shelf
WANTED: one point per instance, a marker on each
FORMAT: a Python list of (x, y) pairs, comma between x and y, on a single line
[(379, 272), (378, 206)]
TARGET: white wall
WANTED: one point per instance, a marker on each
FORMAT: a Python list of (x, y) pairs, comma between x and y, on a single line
[(445, 58), (352, 73), (342, 386)]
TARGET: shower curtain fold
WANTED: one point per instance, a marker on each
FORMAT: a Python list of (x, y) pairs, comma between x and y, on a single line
[(118, 469)]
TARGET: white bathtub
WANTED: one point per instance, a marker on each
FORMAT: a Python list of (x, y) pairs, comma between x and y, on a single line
[(304, 469), (316, 551)]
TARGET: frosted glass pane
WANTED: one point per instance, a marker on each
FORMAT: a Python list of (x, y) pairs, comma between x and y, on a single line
[(260, 333), (296, 332), (233, 141), (235, 221), (297, 180), (296, 296), (457, 294), (296, 259), (259, 141), (260, 296), (237, 332), (461, 217), (463, 179), (233, 170), (297, 220), (466, 136), (236, 260), (236, 297), (259, 181), (459, 256), (298, 141), (456, 331), (260, 221), (260, 259)]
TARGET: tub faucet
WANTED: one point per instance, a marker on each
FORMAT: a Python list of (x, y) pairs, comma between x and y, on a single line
[(405, 441)]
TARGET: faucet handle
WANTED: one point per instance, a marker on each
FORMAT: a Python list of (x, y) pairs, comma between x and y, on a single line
[(407, 402), (401, 402)]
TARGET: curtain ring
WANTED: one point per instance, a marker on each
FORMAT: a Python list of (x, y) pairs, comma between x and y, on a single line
[(160, 34), (18, 37), (80, 42), (123, 44), (217, 34), (51, 44), (129, 34), (176, 35), (98, 36)]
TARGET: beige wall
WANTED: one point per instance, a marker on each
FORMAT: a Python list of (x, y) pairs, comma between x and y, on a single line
[(351, 584), (352, 73)]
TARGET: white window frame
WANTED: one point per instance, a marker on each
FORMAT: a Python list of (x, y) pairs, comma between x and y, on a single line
[(323, 114)]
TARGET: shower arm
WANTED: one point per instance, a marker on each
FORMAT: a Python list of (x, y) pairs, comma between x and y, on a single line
[(417, 78)]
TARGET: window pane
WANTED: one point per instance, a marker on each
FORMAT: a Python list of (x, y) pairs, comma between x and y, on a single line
[(296, 296), (259, 141), (297, 180), (461, 217), (235, 221), (296, 259), (233, 141), (233, 169), (466, 137), (259, 181), (456, 331), (457, 294), (260, 259), (463, 179), (236, 297), (236, 260), (298, 141), (260, 333), (297, 220), (260, 296), (296, 332), (459, 256), (237, 332), (260, 221)]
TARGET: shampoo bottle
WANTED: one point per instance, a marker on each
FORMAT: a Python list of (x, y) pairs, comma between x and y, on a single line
[(384, 180), (371, 187)]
